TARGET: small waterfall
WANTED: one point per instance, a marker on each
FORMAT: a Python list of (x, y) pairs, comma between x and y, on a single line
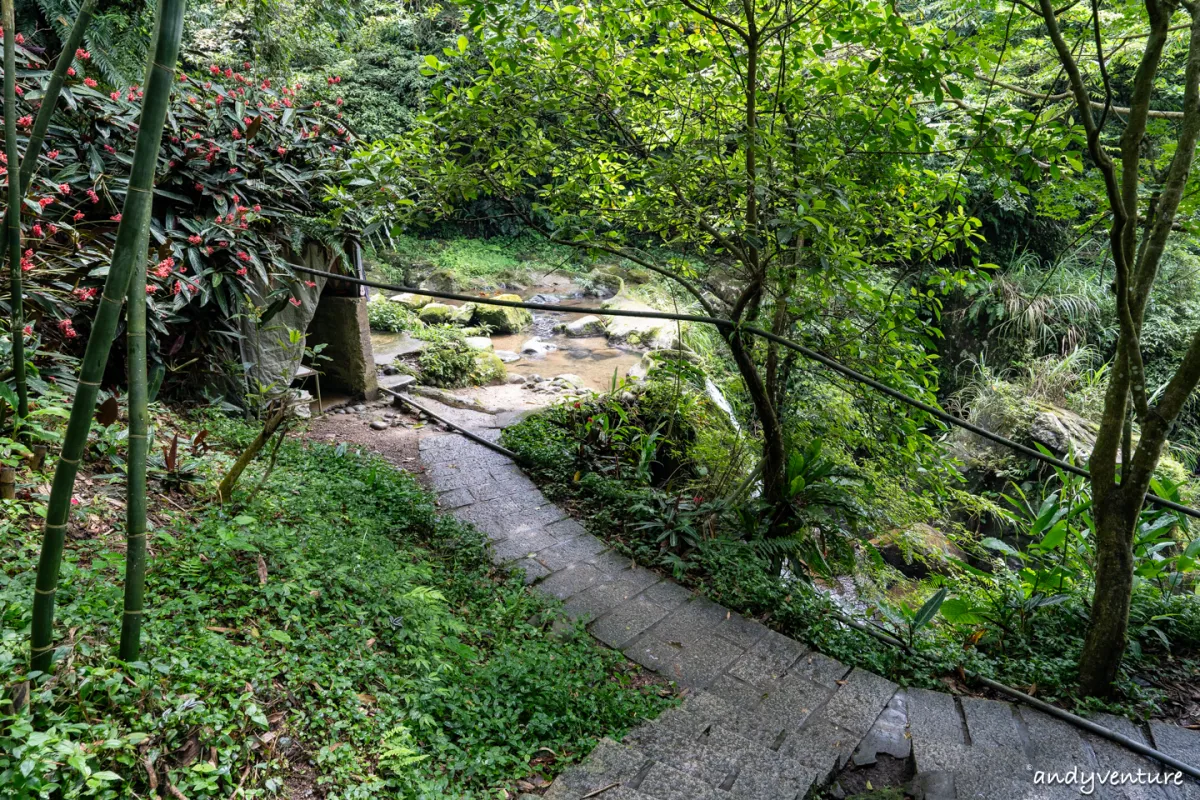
[(720, 402)]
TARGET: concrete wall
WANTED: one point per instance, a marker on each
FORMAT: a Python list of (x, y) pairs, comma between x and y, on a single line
[(340, 323)]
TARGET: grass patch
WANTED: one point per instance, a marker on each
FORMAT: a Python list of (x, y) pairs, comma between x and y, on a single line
[(336, 628)]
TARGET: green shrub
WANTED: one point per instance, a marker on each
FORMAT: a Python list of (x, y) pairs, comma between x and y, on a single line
[(447, 361), (384, 315)]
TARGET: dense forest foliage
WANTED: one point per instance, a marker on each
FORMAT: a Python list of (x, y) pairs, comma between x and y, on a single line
[(983, 212)]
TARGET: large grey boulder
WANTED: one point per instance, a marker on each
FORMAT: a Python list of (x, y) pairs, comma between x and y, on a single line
[(656, 334), (436, 313), (590, 325), (413, 301), (501, 319)]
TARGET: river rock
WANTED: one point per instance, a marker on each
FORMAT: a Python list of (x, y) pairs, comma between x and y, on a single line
[(606, 353), (464, 314), (481, 343), (918, 550), (590, 325), (501, 319), (547, 299), (656, 334), (515, 378), (569, 380), (507, 356), (536, 347), (1063, 432), (411, 300), (442, 280), (436, 313), (379, 425), (489, 370)]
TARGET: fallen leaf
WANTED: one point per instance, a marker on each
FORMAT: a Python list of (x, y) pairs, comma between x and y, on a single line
[(262, 570)]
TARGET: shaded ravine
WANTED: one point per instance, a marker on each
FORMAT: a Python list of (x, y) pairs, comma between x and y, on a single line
[(765, 716)]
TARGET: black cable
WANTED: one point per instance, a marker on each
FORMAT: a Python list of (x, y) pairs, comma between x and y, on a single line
[(727, 325)]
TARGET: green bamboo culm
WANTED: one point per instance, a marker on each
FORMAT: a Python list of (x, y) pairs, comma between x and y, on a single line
[(130, 249), (139, 443), (12, 215), (37, 135)]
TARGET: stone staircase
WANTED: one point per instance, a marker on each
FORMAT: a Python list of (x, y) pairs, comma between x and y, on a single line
[(765, 718)]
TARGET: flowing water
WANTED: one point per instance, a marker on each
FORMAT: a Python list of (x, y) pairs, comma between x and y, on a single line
[(591, 358)]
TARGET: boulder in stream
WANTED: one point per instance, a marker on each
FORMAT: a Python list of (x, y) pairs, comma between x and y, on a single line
[(536, 347), (501, 319), (464, 314), (480, 343), (507, 356), (590, 325), (442, 280), (436, 313), (413, 301), (658, 334)]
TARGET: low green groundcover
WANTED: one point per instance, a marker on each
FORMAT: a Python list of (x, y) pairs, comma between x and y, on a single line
[(335, 632)]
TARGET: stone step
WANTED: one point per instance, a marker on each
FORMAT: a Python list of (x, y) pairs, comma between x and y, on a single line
[(610, 764)]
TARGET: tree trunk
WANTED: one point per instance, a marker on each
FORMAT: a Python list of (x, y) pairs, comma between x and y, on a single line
[(139, 444), (774, 456), (1116, 517), (12, 215), (132, 233)]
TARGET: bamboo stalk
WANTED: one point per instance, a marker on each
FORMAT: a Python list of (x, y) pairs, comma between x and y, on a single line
[(29, 165), (12, 215), (135, 510), (130, 249)]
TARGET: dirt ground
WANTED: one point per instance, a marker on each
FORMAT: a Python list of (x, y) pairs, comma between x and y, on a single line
[(399, 445)]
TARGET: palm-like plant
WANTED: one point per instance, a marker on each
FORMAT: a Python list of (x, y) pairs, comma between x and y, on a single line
[(129, 251)]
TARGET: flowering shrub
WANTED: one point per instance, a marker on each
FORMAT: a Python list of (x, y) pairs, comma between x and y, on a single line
[(236, 190)]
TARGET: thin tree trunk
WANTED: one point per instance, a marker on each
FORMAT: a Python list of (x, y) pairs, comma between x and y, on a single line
[(12, 215), (130, 249), (1104, 645), (135, 547), (225, 490)]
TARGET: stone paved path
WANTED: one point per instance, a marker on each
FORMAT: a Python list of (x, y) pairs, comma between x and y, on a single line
[(766, 717)]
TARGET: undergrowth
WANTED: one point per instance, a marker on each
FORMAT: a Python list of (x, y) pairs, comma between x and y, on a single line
[(335, 627)]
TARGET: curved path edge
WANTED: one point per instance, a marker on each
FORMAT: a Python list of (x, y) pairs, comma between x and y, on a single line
[(766, 718)]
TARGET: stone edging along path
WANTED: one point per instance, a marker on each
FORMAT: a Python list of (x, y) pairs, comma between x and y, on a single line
[(766, 718)]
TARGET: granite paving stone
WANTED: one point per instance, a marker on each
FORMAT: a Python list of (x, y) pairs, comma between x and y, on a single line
[(570, 580), (990, 723), (682, 752), (668, 594), (889, 734), (455, 498), (859, 700), (822, 745), (696, 664), (819, 668), (741, 631), (600, 598), (692, 620), (572, 551), (933, 717), (768, 659), (566, 529), (790, 704), (667, 783), (627, 621)]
